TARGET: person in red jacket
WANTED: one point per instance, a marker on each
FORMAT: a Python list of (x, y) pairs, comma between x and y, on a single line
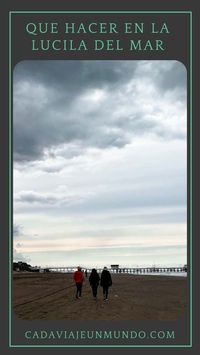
[(78, 278)]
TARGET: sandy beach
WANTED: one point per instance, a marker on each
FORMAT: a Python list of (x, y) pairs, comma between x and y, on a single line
[(135, 297)]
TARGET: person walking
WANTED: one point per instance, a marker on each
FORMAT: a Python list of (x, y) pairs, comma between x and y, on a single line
[(106, 282), (78, 278), (94, 282)]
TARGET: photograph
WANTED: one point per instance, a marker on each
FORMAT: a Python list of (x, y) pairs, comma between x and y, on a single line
[(100, 190)]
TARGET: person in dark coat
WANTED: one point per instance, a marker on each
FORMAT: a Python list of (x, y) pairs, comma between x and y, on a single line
[(94, 282), (106, 282)]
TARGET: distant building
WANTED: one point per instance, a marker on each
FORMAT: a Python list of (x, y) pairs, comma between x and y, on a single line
[(22, 266), (34, 269), (44, 270), (116, 266)]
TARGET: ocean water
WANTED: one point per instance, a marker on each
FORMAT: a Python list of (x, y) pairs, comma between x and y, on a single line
[(182, 274)]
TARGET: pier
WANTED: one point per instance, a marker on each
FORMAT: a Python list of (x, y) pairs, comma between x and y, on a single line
[(120, 270)]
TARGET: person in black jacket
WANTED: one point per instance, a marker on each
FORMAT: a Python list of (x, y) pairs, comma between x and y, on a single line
[(94, 282), (106, 282)]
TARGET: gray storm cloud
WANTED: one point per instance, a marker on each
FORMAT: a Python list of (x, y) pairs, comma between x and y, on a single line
[(17, 230), (100, 162), (89, 103)]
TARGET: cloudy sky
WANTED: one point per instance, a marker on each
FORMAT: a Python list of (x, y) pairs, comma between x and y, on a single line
[(99, 162)]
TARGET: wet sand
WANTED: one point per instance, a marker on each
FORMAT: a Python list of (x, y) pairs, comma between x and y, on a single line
[(133, 297)]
